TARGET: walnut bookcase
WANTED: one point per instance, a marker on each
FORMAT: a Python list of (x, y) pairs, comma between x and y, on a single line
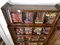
[(30, 8)]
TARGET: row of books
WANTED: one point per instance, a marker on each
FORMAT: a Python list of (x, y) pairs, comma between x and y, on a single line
[(32, 17), (28, 43), (27, 38), (31, 38), (31, 30)]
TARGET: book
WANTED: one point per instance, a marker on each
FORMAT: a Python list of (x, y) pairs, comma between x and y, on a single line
[(37, 30), (26, 43), (28, 30), (19, 31), (35, 38), (49, 18), (20, 43), (16, 17), (33, 43), (29, 17), (27, 38), (42, 38), (20, 38), (40, 43), (46, 30), (40, 17)]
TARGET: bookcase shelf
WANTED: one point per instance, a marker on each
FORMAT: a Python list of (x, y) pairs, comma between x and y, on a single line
[(30, 25), (38, 20)]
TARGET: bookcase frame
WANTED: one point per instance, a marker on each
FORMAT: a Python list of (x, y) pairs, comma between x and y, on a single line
[(45, 8)]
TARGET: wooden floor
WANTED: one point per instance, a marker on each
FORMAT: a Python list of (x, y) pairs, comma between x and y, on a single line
[(55, 39)]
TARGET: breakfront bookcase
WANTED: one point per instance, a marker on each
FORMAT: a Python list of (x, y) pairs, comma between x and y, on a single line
[(30, 24)]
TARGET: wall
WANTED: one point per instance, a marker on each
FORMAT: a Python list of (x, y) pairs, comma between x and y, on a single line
[(35, 2), (3, 29)]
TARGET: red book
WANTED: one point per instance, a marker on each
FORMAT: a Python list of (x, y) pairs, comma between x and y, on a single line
[(17, 17)]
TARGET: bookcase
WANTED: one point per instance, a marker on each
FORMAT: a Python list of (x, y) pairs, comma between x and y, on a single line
[(30, 24)]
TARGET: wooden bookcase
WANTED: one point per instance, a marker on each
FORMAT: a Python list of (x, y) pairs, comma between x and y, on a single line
[(43, 38)]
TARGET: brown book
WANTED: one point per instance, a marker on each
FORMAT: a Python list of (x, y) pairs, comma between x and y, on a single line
[(40, 17)]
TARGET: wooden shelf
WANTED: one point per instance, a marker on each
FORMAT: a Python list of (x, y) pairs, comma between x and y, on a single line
[(30, 25), (28, 35), (40, 10)]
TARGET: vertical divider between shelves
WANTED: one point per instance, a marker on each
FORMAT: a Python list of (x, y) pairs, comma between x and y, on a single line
[(52, 29)]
